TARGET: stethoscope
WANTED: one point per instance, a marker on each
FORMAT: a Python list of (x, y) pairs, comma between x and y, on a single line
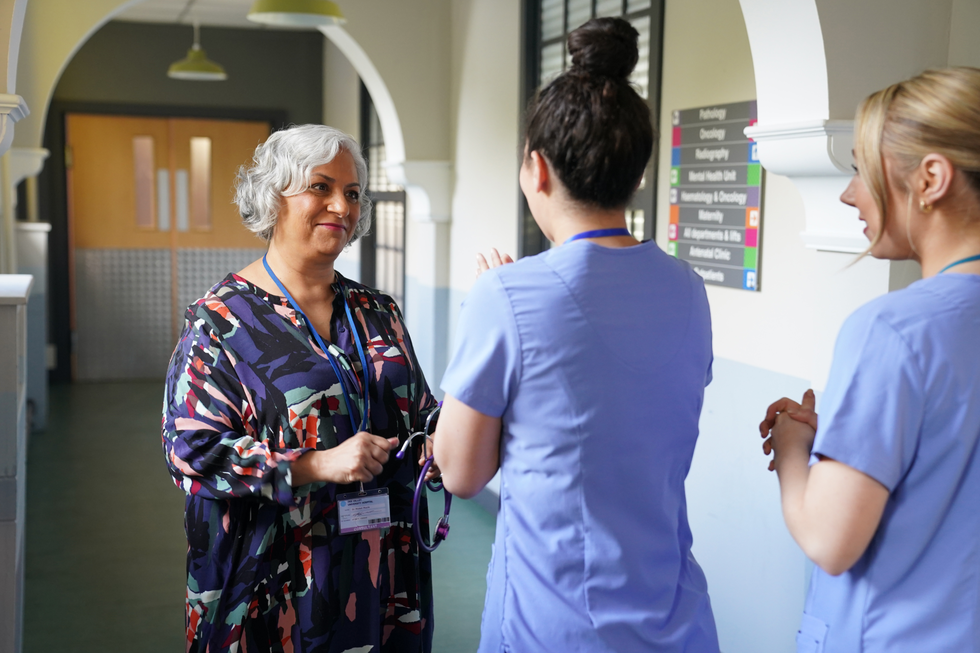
[(442, 526), (442, 529)]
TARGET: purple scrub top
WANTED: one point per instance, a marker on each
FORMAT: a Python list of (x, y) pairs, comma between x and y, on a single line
[(596, 360)]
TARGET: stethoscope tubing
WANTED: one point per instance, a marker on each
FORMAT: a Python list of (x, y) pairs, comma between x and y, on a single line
[(442, 526)]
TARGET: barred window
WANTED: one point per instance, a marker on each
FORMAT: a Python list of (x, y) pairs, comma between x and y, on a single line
[(383, 248), (547, 24)]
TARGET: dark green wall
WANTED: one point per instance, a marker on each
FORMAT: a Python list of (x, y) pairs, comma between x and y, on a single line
[(126, 63)]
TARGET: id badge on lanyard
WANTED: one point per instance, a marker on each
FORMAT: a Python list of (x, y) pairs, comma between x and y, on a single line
[(366, 510)]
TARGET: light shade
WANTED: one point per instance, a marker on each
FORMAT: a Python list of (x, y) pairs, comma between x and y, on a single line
[(296, 13), (197, 67)]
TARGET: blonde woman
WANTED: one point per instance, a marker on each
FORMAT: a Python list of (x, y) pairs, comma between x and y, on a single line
[(885, 495)]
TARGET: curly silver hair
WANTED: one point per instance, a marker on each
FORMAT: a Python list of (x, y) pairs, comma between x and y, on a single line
[(282, 167)]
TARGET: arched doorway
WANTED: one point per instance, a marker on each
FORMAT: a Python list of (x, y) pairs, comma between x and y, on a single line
[(130, 528)]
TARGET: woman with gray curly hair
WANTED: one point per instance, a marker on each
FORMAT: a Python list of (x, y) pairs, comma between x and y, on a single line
[(288, 388)]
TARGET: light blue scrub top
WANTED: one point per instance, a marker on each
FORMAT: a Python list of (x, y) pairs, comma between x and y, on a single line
[(903, 406), (596, 360)]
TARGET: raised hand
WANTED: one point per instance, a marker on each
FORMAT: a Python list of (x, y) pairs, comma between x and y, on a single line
[(496, 260)]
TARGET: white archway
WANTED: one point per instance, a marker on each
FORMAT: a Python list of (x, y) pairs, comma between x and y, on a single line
[(804, 54), (426, 183)]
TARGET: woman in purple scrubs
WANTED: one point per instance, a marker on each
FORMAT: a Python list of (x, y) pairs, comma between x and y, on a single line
[(580, 374), (885, 495)]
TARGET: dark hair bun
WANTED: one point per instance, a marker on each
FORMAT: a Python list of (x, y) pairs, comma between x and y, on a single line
[(605, 47)]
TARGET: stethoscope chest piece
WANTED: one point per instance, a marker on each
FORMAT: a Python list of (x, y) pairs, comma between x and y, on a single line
[(442, 526)]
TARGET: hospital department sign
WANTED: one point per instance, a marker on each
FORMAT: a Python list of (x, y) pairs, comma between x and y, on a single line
[(715, 194)]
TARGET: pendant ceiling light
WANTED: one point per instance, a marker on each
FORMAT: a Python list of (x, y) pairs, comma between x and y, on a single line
[(197, 66), (296, 13)]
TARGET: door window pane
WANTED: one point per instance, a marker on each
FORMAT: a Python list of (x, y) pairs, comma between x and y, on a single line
[(181, 198), (637, 5), (200, 182), (163, 199), (143, 174)]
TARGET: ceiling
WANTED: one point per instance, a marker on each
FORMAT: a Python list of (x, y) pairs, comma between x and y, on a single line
[(222, 13)]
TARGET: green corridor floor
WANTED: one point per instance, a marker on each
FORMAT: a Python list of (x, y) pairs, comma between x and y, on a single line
[(105, 549)]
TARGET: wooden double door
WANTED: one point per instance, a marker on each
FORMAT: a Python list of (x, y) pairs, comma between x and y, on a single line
[(152, 226)]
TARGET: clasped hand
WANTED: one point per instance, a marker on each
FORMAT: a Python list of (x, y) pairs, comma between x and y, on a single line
[(357, 459), (790, 428)]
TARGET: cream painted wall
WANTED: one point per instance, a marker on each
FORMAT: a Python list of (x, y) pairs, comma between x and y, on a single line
[(409, 43), (419, 84), (733, 503), (783, 328), (12, 14), (763, 345), (342, 109), (780, 340), (485, 128), (918, 38), (964, 46), (53, 32), (341, 92), (762, 329)]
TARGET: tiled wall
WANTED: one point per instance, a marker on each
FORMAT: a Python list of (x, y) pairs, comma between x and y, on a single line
[(123, 305), (199, 269)]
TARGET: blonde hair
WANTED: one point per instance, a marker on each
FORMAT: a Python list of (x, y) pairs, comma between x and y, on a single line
[(935, 112)]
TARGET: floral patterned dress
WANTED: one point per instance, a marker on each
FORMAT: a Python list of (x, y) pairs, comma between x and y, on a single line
[(247, 393)]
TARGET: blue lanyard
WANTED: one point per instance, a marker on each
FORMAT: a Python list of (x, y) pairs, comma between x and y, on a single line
[(600, 233), (333, 362), (962, 260)]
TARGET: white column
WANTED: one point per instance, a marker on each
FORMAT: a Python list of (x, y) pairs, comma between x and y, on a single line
[(428, 186), (14, 291), (12, 109)]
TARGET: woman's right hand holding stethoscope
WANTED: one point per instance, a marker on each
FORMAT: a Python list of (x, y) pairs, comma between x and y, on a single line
[(357, 459)]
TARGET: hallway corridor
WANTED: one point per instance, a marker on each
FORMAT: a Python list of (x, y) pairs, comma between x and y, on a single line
[(105, 550)]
